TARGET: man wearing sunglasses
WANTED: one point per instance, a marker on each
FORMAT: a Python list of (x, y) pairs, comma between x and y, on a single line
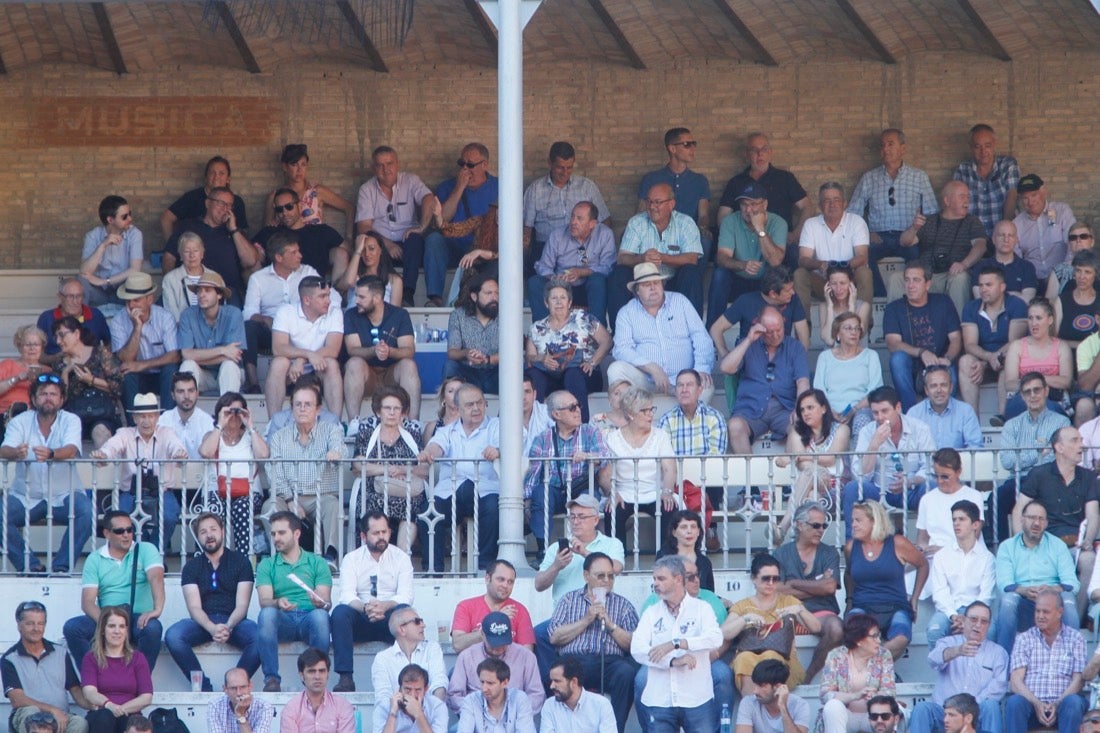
[(883, 713), (1043, 226), (321, 245), (35, 439), (409, 647), (692, 188), (111, 253)]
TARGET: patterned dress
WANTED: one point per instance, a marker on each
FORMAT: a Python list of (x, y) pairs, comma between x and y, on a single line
[(399, 452)]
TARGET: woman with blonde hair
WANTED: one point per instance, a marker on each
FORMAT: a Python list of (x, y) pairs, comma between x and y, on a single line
[(116, 677), (16, 374)]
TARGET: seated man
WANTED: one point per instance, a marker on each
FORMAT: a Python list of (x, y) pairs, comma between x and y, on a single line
[(144, 337), (475, 439), (773, 370), (1042, 226), (581, 253), (306, 338), (595, 624), (322, 247), (662, 237), (948, 243), (963, 573), (146, 475), (239, 707), (315, 708), (409, 647), (776, 290), (893, 453), (1088, 379), (834, 236), (410, 709), (307, 480), (496, 706), (692, 188), (571, 707), (991, 178), (500, 579), (989, 324), (550, 484), (217, 588), (1029, 563), (34, 440), (1046, 666), (657, 334), (381, 348), (694, 427), (291, 609), (106, 581), (467, 195), (748, 244), (111, 253), (952, 422), (966, 662), (37, 673), (921, 329), (387, 205), (374, 579), (192, 204), (211, 337), (189, 422), (1019, 274), (70, 302), (473, 336), (772, 706), (496, 633)]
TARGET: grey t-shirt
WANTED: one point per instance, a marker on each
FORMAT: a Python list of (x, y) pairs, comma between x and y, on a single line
[(791, 568), (751, 712)]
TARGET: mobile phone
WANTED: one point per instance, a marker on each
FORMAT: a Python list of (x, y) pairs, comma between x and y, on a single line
[(563, 543)]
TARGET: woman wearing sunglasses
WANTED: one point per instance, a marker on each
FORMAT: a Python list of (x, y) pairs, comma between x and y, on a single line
[(1081, 238)]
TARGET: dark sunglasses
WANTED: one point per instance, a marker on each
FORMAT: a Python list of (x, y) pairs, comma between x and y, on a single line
[(214, 579), (1075, 237), (286, 207), (29, 606), (389, 212), (468, 164), (769, 578), (880, 716), (891, 200), (570, 408), (122, 530), (418, 621), (769, 375), (817, 525), (688, 143)]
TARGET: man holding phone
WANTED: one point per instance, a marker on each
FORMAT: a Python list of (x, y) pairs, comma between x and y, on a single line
[(410, 708)]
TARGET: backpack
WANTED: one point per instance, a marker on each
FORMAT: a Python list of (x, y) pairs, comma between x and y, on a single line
[(167, 720)]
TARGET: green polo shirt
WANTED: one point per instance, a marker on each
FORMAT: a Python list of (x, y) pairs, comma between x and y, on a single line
[(736, 237), (311, 568), (111, 577)]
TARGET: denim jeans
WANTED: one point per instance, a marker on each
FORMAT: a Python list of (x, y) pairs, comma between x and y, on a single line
[(903, 370), (80, 630), (617, 682), (927, 717), (412, 259), (169, 518), (555, 492), (850, 497), (80, 531), (701, 719), (1020, 716), (185, 634), (1016, 613), (721, 675), (159, 382), (593, 290), (440, 253), (348, 627), (277, 625)]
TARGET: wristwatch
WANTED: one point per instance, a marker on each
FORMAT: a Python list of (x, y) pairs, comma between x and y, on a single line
[(675, 643), (242, 719), (761, 233)]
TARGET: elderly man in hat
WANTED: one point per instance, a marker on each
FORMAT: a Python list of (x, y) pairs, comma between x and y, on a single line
[(144, 338), (211, 336), (1042, 226), (144, 476), (657, 334)]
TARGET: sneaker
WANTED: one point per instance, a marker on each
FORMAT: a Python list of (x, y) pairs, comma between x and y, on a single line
[(346, 683), (997, 421), (353, 428), (271, 684), (434, 301)]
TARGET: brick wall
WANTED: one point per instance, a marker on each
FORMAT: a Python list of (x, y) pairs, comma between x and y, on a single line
[(823, 120)]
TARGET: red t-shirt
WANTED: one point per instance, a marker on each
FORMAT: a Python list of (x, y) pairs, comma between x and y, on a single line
[(470, 613)]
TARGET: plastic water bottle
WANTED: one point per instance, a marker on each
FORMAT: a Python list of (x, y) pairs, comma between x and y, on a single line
[(422, 331), (724, 721)]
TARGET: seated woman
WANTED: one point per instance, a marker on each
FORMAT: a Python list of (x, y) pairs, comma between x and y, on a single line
[(685, 538), (840, 297), (92, 377), (116, 677), (235, 445), (1075, 308), (815, 440), (848, 372), (564, 350), (854, 673), (390, 443), (1081, 238), (638, 480), (874, 581), (175, 294), (447, 412), (614, 418), (371, 258), (16, 374), (763, 625), (1039, 351), (312, 197), (192, 205)]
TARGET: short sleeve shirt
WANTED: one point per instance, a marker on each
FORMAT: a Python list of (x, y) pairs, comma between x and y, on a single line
[(1019, 274), (689, 188), (1065, 504), (218, 588), (395, 324), (925, 327), (305, 334), (373, 205), (310, 568), (745, 311), (116, 257), (736, 237), (784, 191), (992, 335), (158, 336), (470, 612), (112, 577), (825, 559), (835, 245), (196, 333), (192, 205), (474, 202), (751, 712)]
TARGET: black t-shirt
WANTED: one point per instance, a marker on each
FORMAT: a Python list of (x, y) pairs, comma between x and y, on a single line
[(1065, 504), (746, 311), (784, 191), (314, 240), (221, 253), (192, 205), (218, 589), (395, 323)]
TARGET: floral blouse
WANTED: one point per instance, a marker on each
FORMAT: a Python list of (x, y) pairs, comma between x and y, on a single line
[(576, 340), (836, 674)]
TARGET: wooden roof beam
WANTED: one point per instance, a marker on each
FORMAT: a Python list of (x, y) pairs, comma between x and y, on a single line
[(225, 15), (617, 33), (108, 33), (865, 30), (999, 51), (488, 32), (739, 24), (360, 31)]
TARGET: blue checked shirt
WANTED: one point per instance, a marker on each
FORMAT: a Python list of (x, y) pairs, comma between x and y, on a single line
[(912, 190), (1032, 435), (547, 207), (681, 236), (675, 338), (1049, 668), (704, 435), (956, 427), (588, 439), (595, 638), (987, 196)]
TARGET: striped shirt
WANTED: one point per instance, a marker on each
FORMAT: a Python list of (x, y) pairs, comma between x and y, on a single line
[(595, 639), (548, 444), (547, 207), (675, 337), (1032, 436), (703, 435), (681, 236), (304, 469)]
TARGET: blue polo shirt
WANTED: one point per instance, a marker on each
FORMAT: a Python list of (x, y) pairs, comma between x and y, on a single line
[(992, 337), (196, 333), (746, 311), (689, 187), (1019, 273), (756, 388)]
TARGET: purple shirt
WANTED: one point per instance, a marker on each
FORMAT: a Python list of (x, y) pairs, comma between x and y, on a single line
[(119, 681)]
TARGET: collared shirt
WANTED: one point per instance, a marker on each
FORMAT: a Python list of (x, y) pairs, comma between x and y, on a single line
[(389, 578), (697, 628), (1032, 435), (374, 206), (218, 588), (46, 678), (1019, 274), (191, 432), (50, 481), (743, 244), (1090, 435), (221, 250), (522, 663), (127, 446), (267, 292), (956, 427), (304, 333), (1048, 563), (707, 596), (305, 469), (784, 191), (158, 335), (222, 718), (675, 337), (959, 578), (549, 444), (335, 715), (1043, 240), (195, 332), (681, 236), (311, 569), (537, 424), (987, 195), (1065, 503), (835, 244), (572, 576), (1050, 667), (984, 675), (467, 332), (515, 718), (764, 376), (434, 710), (910, 190), (911, 453), (595, 639), (116, 257), (993, 332), (458, 444), (547, 207), (563, 251), (389, 662), (593, 714), (111, 577), (689, 188), (703, 435)]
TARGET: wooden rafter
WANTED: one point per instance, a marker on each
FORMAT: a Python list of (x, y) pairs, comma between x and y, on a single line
[(865, 30), (738, 23), (360, 31), (108, 33), (999, 51), (617, 33)]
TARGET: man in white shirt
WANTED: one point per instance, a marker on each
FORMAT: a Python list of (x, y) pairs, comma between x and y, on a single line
[(674, 639), (189, 422), (572, 708), (409, 647), (833, 236), (374, 580), (963, 573), (935, 522)]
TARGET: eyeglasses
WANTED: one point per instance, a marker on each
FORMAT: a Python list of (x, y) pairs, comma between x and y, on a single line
[(579, 517), (692, 576), (978, 620), (125, 217), (770, 374), (1090, 719), (570, 408), (687, 143), (286, 207), (48, 379), (1084, 237), (656, 202), (1032, 390), (944, 476), (648, 410), (876, 634), (584, 256), (219, 202), (29, 606), (758, 151), (122, 530), (603, 576), (418, 621), (880, 716), (891, 200), (817, 525), (769, 578), (72, 296), (469, 164)]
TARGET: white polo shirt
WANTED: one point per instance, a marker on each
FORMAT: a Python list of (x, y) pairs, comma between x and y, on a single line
[(305, 334), (834, 245)]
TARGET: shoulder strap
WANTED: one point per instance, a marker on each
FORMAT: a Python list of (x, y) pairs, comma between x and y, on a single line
[(133, 577)]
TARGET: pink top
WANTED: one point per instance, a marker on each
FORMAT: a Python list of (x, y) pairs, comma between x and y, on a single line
[(1047, 366), (335, 715), (310, 206)]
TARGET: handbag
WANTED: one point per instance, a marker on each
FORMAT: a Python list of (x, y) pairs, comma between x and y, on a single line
[(92, 405), (777, 637)]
